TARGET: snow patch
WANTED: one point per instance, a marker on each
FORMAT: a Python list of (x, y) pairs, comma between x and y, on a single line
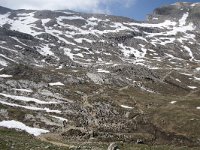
[(189, 51), (56, 84), (59, 118), (198, 69), (26, 99), (182, 21), (178, 80), (165, 24), (61, 18), (23, 23), (24, 90), (3, 42), (141, 38), (127, 107), (1, 55), (45, 51), (67, 52), (5, 76), (80, 40), (8, 49), (12, 124), (198, 79), (173, 102), (145, 89), (3, 62), (192, 87), (194, 4), (102, 71), (128, 51), (31, 107), (167, 41)]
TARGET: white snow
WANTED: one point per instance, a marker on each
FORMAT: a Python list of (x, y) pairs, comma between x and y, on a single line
[(194, 4), (91, 23), (24, 90), (31, 107), (8, 49), (5, 76), (167, 40), (165, 24), (97, 19), (198, 69), (60, 67), (18, 46), (3, 42), (127, 107), (68, 52), (58, 33), (173, 102), (183, 29), (145, 89), (100, 59), (178, 80), (80, 40), (182, 21), (141, 38), (79, 55), (174, 30), (189, 51), (1, 55), (16, 39), (127, 51), (56, 84), (192, 87), (102, 71), (61, 18), (59, 118), (45, 51), (44, 21), (76, 49), (3, 62), (109, 54), (22, 23), (196, 78), (75, 30), (19, 125), (187, 74), (74, 70), (155, 18), (26, 99), (120, 26)]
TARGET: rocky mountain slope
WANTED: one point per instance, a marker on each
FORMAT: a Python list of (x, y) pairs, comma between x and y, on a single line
[(101, 78)]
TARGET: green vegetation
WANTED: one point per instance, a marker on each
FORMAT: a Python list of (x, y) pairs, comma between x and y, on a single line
[(15, 140)]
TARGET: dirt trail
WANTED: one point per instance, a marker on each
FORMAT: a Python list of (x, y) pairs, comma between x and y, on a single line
[(192, 92), (44, 139), (166, 75)]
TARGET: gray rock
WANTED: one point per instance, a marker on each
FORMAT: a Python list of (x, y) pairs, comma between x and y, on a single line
[(113, 146)]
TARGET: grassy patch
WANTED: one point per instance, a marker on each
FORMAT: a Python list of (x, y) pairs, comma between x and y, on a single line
[(11, 139)]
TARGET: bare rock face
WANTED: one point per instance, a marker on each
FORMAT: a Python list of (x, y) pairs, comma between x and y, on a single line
[(113, 146), (4, 10)]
